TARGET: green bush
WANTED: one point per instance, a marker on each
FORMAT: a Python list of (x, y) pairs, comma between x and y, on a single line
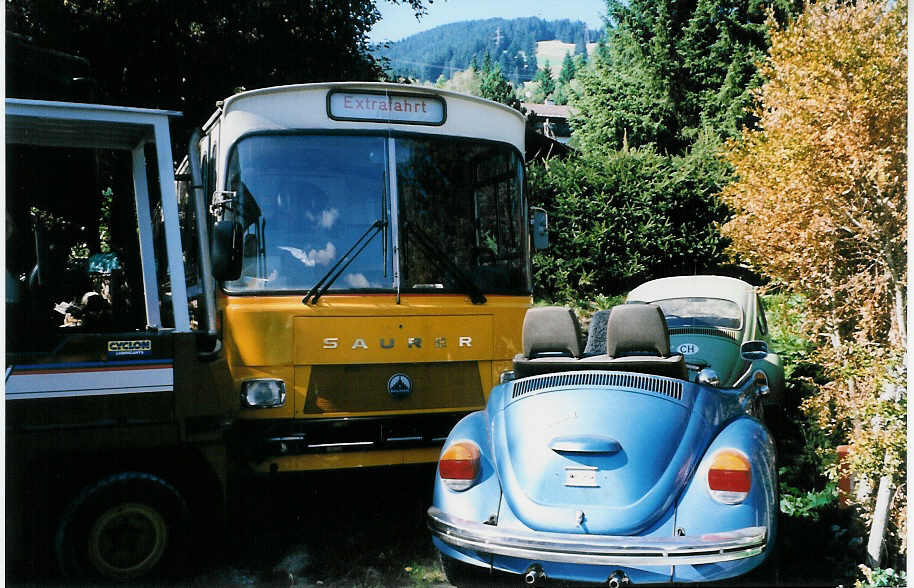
[(796, 503), (881, 577), (625, 217)]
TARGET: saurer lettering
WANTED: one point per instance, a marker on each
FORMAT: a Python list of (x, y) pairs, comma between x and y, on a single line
[(391, 343)]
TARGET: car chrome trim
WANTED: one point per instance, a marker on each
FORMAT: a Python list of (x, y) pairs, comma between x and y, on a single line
[(598, 549), (350, 444)]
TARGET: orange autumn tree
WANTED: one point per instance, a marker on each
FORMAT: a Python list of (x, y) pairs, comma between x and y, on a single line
[(819, 202)]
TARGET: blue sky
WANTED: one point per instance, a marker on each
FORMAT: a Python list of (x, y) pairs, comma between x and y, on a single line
[(398, 21)]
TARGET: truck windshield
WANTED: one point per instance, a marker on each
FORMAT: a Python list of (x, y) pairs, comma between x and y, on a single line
[(305, 199)]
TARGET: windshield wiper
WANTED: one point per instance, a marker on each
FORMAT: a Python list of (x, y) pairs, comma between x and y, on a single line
[(327, 280), (441, 260)]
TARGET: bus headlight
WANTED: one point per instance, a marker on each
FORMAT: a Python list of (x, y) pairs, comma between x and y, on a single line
[(263, 393)]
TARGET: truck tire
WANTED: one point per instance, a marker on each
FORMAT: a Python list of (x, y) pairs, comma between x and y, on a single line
[(126, 526)]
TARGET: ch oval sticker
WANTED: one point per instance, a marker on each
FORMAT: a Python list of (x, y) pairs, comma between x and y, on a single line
[(688, 349)]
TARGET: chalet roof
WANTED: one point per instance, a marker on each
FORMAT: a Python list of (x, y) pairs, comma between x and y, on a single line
[(554, 111)]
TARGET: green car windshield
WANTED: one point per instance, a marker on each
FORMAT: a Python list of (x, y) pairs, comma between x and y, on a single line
[(306, 199)]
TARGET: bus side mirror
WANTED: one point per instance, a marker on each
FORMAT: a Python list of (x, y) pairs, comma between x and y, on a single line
[(540, 228), (226, 250)]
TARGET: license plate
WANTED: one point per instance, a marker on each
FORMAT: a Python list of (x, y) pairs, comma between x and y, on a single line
[(582, 477)]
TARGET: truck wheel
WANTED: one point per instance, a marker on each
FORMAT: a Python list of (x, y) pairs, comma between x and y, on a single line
[(124, 527)]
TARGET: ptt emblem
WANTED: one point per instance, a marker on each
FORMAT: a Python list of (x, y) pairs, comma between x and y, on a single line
[(399, 386)]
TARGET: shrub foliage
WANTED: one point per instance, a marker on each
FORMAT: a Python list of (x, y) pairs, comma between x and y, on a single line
[(820, 206), (625, 217)]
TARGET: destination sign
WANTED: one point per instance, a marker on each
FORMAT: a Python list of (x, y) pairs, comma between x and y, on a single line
[(401, 108)]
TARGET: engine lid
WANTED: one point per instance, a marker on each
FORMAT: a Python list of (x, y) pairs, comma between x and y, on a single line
[(608, 457)]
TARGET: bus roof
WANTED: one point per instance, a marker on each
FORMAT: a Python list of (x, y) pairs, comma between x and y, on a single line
[(313, 106)]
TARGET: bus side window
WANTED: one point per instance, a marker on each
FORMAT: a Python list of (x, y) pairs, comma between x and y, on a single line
[(192, 271), (211, 174), (206, 162)]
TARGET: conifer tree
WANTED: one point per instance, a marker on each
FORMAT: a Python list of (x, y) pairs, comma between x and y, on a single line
[(544, 78), (670, 70), (568, 69), (496, 87)]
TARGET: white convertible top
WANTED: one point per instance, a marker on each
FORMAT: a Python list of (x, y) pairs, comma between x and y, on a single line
[(693, 287)]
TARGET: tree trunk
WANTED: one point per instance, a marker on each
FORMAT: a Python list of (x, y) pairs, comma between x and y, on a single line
[(900, 317), (880, 518)]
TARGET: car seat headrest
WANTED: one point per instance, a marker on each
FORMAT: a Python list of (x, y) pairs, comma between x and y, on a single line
[(637, 329), (551, 330)]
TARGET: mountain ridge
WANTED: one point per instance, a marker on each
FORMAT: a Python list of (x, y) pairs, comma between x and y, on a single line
[(451, 47)]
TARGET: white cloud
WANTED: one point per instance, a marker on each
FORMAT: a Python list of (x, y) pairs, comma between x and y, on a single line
[(357, 281), (314, 256), (326, 218)]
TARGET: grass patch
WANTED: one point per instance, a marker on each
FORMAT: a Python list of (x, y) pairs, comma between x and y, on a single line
[(555, 52)]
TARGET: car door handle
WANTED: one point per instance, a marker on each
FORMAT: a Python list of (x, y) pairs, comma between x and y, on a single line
[(585, 444)]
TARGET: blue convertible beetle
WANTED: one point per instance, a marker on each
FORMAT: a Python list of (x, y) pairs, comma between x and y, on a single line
[(608, 467)]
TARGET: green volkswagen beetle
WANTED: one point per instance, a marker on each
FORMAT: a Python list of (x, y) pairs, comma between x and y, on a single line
[(716, 323)]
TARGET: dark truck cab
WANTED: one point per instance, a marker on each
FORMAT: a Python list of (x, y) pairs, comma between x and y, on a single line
[(117, 397)]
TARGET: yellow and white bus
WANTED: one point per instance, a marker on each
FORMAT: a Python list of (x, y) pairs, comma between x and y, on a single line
[(372, 246)]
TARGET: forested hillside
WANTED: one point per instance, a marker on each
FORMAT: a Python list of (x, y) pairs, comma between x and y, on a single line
[(511, 43)]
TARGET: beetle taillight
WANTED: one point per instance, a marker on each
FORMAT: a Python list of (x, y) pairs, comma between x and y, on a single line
[(730, 477), (459, 465)]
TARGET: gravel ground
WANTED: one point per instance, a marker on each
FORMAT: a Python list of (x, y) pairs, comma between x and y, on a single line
[(366, 529), (359, 528), (355, 528)]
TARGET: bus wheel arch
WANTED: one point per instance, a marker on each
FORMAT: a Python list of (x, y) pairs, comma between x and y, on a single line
[(125, 526)]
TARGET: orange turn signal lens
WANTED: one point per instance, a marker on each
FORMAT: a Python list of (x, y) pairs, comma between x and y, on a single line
[(730, 477), (459, 465)]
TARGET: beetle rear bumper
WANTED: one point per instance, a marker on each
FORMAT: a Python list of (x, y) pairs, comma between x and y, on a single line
[(597, 549)]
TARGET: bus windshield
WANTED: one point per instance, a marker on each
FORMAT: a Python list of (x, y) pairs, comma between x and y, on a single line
[(461, 201), (306, 199)]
